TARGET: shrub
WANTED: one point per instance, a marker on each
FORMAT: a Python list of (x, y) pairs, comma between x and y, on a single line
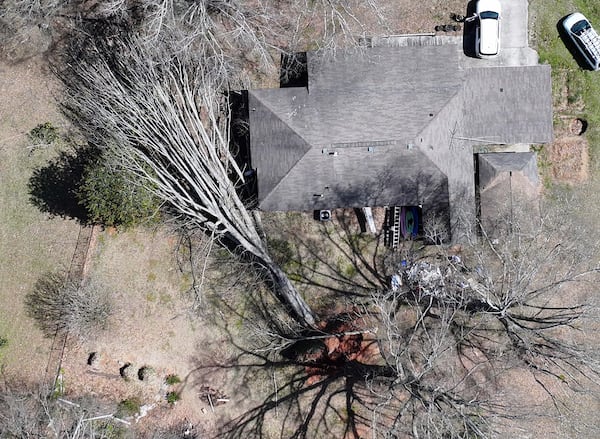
[(60, 305), (129, 407), (145, 373), (173, 397), (43, 134), (111, 199), (171, 380), (127, 371)]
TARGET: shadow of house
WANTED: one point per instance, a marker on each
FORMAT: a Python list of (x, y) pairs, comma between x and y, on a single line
[(390, 126), (509, 190)]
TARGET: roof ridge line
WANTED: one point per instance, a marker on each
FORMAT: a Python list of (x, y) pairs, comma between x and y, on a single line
[(284, 176), (459, 90)]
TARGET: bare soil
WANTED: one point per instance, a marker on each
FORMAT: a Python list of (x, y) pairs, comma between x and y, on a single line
[(150, 328), (405, 16), (569, 159)]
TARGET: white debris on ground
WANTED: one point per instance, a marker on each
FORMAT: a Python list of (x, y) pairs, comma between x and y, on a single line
[(448, 279), (144, 411)]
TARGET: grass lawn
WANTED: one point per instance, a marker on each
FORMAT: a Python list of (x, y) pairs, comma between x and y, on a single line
[(30, 242), (583, 86)]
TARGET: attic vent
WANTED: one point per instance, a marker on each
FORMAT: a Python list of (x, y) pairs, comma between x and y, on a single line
[(364, 144)]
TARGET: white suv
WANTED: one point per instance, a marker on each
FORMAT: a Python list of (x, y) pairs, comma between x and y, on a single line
[(585, 38), (487, 33)]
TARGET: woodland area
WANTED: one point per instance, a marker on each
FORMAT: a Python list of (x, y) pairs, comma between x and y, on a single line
[(453, 349)]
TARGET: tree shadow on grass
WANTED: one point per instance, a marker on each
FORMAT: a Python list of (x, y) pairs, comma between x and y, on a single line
[(335, 257), (307, 399), (53, 188), (298, 388)]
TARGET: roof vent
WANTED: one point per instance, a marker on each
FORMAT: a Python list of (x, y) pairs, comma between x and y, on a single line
[(324, 215)]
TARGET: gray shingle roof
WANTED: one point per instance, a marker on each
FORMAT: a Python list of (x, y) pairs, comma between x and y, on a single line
[(509, 188), (495, 164), (359, 176), (509, 104), (389, 126)]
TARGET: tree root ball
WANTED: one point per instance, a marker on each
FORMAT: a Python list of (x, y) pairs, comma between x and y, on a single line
[(127, 371), (145, 373), (578, 126)]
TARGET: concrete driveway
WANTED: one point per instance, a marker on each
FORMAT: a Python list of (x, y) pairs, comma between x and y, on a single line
[(514, 48), (514, 24)]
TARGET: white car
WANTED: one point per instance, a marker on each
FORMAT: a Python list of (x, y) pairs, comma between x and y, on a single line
[(487, 33), (584, 37)]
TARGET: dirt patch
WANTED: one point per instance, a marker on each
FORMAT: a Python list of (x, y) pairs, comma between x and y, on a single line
[(420, 17), (151, 336), (569, 159), (350, 343)]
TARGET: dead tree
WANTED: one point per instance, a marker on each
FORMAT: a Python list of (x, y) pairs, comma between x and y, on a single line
[(457, 322), (166, 117)]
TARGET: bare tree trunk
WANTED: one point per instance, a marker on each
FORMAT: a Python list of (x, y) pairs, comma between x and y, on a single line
[(166, 117), (290, 296)]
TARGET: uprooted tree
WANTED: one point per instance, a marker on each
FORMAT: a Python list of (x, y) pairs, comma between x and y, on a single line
[(146, 82), (165, 116), (436, 355), (156, 101)]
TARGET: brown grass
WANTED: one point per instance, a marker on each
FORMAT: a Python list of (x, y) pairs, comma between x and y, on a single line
[(30, 243)]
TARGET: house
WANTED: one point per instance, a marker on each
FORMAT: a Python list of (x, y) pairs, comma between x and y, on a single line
[(391, 126)]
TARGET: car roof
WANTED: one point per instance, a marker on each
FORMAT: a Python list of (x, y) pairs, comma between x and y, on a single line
[(488, 37), (573, 18), (488, 5), (588, 47)]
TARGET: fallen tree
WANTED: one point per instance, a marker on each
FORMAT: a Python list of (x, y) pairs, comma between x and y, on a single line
[(165, 116)]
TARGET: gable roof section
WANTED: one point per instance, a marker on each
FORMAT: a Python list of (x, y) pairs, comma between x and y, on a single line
[(509, 188), (410, 68), (359, 176)]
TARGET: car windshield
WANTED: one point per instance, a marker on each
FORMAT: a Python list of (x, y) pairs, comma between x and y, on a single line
[(488, 14), (580, 26)]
